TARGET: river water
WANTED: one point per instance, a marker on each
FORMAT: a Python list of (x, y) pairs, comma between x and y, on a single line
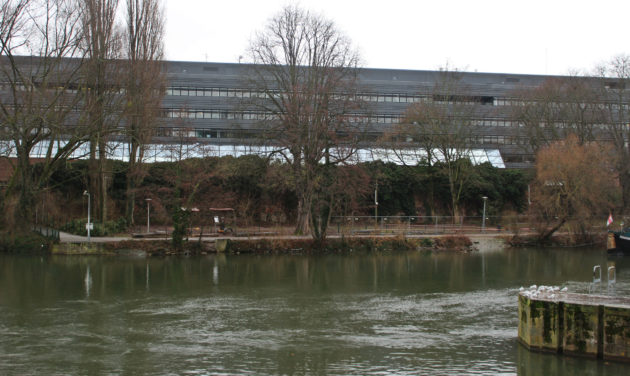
[(366, 314)]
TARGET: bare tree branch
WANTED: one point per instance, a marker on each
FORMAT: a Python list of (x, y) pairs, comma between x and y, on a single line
[(305, 70)]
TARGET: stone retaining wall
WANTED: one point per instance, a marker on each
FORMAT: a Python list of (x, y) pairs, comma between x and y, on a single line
[(576, 324)]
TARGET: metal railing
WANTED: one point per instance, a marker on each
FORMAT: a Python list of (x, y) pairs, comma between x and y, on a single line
[(595, 287), (47, 232), (427, 225)]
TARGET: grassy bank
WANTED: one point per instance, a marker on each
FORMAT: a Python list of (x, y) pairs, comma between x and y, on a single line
[(26, 243)]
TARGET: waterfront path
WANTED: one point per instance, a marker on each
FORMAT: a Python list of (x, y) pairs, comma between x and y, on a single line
[(65, 237)]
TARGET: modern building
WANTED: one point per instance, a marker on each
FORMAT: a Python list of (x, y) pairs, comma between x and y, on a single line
[(203, 103), (204, 109)]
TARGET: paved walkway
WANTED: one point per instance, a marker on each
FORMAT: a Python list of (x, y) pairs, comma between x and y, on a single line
[(65, 237)]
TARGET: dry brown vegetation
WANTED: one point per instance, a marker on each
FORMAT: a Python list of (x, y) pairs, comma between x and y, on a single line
[(574, 182)]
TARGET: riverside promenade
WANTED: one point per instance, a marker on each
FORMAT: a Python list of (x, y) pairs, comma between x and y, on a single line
[(65, 237), (155, 242)]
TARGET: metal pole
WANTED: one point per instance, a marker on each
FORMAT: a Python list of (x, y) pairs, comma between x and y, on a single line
[(376, 205), (86, 193), (148, 200), (483, 220)]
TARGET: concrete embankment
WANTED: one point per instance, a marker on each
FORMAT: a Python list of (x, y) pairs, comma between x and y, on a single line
[(575, 324), (279, 245)]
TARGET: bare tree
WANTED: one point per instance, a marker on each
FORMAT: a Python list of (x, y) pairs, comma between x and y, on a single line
[(102, 44), (557, 108), (305, 72), (39, 96), (144, 84), (189, 175), (574, 181), (438, 131), (614, 83)]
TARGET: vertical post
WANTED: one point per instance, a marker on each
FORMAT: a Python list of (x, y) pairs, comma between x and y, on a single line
[(148, 200), (86, 193), (612, 279), (483, 220), (376, 205), (529, 196), (597, 274)]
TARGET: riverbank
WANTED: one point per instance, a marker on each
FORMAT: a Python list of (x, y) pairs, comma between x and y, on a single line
[(558, 240), (272, 245), (283, 244), (25, 243)]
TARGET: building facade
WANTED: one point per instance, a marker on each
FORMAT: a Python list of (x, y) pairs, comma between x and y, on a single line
[(205, 108), (203, 103)]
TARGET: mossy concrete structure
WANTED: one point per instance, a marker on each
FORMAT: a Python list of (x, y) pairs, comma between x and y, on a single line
[(77, 249), (575, 324)]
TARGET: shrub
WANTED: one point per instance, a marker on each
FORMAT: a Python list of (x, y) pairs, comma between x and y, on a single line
[(454, 242), (77, 227), (24, 243), (426, 242)]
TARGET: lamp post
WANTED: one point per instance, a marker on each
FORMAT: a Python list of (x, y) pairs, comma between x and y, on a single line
[(483, 220), (88, 226), (148, 200), (376, 205)]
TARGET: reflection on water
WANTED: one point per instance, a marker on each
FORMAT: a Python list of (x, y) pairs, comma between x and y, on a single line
[(406, 313), (88, 282)]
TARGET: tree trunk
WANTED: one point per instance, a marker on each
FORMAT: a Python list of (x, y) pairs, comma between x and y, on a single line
[(546, 235), (320, 217), (624, 181), (93, 171), (322, 203), (26, 200), (454, 199), (102, 178), (130, 196), (303, 225)]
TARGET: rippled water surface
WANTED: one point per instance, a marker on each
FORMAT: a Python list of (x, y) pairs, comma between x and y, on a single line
[(365, 314)]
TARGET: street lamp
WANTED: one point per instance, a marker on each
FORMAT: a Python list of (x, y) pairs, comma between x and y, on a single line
[(88, 226), (148, 200), (376, 205), (483, 220)]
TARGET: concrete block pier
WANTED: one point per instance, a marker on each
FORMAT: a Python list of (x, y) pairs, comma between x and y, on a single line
[(574, 324)]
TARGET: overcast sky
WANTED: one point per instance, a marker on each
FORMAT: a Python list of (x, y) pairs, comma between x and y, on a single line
[(506, 36)]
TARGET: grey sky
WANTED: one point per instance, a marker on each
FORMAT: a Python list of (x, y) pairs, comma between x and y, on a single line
[(526, 36)]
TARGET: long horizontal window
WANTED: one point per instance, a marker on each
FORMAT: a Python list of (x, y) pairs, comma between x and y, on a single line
[(247, 93), (268, 116)]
